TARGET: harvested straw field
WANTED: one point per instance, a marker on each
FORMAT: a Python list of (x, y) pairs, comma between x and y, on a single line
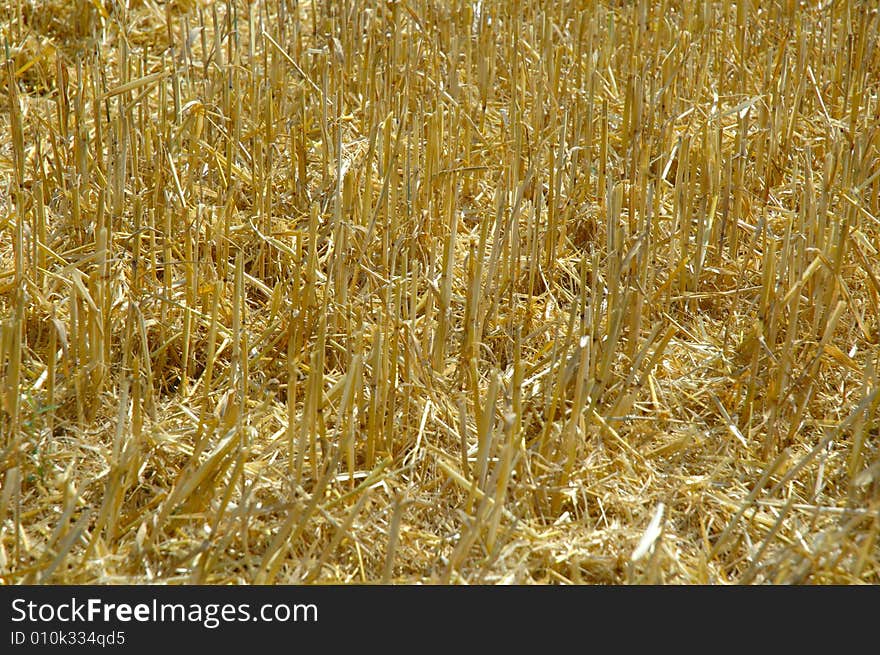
[(440, 292)]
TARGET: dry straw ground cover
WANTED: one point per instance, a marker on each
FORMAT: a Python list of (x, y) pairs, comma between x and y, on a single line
[(446, 292)]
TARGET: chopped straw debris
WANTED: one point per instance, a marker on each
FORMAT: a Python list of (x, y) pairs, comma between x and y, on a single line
[(440, 292)]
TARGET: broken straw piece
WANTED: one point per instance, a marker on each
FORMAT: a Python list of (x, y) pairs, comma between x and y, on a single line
[(650, 535)]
